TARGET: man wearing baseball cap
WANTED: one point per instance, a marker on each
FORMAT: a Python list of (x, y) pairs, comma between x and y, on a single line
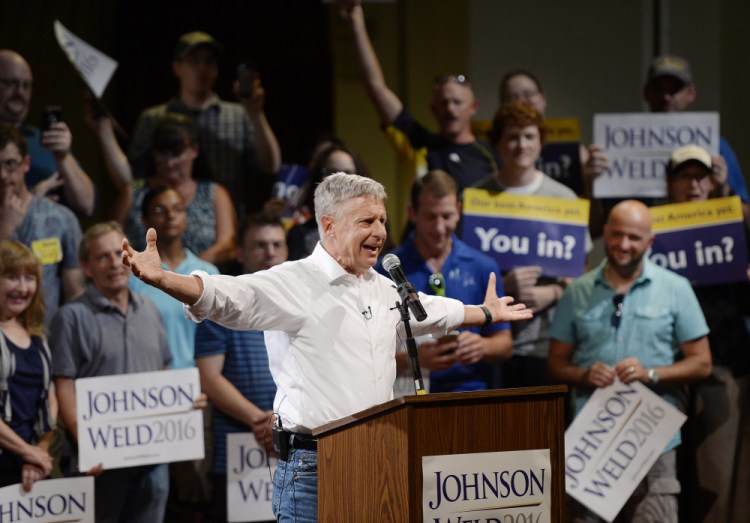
[(235, 139), (712, 469), (669, 88)]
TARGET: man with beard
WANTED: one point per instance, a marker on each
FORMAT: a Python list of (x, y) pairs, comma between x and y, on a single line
[(454, 149), (52, 164), (628, 319)]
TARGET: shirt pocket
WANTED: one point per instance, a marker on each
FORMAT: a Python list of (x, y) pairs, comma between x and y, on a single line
[(653, 327), (594, 326)]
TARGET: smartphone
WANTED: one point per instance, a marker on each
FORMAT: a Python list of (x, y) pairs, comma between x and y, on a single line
[(245, 76), (50, 115), (448, 338)]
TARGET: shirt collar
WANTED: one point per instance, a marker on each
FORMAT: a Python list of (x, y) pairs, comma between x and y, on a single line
[(99, 300), (645, 276), (176, 105), (331, 268)]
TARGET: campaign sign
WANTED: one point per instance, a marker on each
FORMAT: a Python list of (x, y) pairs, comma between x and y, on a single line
[(613, 442), (249, 479), (561, 161), (639, 144), (702, 241), (289, 181), (487, 487), (562, 130), (50, 501), (556, 129), (139, 419), (518, 231)]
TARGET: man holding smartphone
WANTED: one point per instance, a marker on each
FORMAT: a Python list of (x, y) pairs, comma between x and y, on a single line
[(53, 168), (436, 262), (236, 139)]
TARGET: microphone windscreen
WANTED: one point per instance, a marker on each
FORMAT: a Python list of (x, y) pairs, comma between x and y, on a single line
[(390, 262)]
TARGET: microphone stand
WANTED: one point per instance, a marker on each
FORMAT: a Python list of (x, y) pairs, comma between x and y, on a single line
[(411, 349)]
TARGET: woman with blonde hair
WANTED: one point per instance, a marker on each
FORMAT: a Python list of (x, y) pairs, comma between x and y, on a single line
[(27, 400)]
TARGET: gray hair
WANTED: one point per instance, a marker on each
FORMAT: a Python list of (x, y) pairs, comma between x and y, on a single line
[(338, 188)]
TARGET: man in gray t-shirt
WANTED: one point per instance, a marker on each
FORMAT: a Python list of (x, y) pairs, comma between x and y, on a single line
[(49, 229)]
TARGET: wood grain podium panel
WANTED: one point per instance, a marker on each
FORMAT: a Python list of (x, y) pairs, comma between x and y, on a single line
[(370, 463)]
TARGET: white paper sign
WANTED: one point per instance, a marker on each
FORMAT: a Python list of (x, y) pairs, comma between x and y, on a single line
[(249, 484), (139, 419), (95, 67), (613, 442), (487, 487), (638, 146), (51, 500)]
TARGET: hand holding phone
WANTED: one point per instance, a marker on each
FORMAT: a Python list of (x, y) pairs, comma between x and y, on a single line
[(51, 114), (448, 344), (246, 76)]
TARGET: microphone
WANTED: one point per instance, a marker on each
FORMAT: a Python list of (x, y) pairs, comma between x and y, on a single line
[(406, 291)]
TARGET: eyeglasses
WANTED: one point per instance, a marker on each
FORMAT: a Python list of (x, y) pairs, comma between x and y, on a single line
[(437, 284), (15, 83), (689, 175), (459, 79), (10, 166), (617, 301)]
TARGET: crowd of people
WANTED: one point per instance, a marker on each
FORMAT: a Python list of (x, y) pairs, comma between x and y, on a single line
[(187, 275)]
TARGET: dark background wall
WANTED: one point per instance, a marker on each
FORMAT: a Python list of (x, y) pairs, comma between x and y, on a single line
[(287, 41), (590, 55)]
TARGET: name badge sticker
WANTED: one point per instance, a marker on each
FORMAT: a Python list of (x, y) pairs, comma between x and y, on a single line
[(48, 250)]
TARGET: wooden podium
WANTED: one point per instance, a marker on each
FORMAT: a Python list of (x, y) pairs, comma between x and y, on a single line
[(370, 463)]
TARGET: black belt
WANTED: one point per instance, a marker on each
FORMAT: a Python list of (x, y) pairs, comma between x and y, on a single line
[(301, 441), (284, 440)]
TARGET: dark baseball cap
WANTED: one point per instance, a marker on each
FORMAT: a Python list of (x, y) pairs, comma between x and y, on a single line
[(190, 41)]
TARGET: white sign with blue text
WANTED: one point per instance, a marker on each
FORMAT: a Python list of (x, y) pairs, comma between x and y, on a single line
[(638, 146), (249, 479), (50, 501), (613, 442), (487, 487), (139, 419)]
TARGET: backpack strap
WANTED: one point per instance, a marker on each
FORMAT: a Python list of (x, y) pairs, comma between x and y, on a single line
[(7, 368)]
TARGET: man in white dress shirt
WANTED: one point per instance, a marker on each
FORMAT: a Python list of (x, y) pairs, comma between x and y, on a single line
[(337, 360)]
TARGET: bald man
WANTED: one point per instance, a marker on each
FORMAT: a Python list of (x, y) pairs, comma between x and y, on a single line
[(628, 318), (53, 167)]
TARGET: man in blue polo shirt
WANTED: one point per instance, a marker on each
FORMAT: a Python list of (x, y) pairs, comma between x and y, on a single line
[(233, 364), (629, 319), (436, 262)]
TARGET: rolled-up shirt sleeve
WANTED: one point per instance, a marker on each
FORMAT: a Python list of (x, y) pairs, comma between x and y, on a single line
[(199, 310)]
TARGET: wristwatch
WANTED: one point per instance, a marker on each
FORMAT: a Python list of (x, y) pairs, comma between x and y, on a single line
[(653, 376)]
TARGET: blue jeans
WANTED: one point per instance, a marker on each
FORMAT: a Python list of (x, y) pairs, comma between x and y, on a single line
[(295, 488), (132, 495)]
